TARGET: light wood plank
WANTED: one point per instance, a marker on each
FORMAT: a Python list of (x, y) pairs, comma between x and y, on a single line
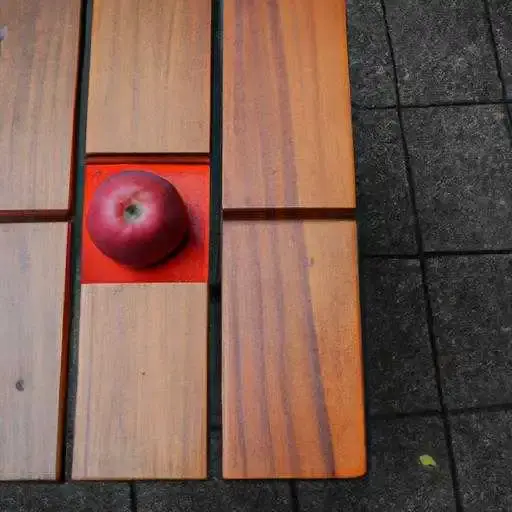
[(287, 120), (291, 347), (149, 86), (33, 273), (38, 73), (141, 402)]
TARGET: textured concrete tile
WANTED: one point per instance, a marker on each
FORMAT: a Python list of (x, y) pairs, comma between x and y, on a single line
[(461, 159), (472, 306), (76, 497), (443, 51), (397, 481), (501, 16), (399, 369), (371, 70), (385, 215), (214, 496), (483, 453)]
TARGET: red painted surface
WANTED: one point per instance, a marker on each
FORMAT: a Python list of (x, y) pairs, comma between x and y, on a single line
[(190, 264)]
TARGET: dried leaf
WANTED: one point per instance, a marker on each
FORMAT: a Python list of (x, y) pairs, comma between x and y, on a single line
[(427, 460)]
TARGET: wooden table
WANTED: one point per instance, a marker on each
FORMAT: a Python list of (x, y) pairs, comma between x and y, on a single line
[(90, 89)]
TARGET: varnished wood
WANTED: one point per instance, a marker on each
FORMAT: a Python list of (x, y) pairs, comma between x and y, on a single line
[(141, 402), (286, 105), (32, 276), (38, 73), (291, 347), (149, 87)]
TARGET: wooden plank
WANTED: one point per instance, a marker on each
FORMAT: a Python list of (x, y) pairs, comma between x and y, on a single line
[(38, 73), (286, 111), (292, 362), (149, 86), (141, 402), (33, 274)]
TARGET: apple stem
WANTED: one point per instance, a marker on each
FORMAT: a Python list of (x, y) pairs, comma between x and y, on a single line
[(132, 212)]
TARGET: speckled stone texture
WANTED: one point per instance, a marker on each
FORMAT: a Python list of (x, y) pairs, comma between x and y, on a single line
[(386, 223), (501, 16), (77, 497), (400, 373), (483, 453), (461, 159), (472, 308), (443, 51), (214, 496), (397, 481), (371, 70)]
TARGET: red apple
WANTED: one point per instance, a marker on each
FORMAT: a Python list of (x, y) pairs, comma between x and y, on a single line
[(137, 218)]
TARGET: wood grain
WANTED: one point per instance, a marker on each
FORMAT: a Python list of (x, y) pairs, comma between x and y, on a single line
[(291, 347), (141, 402), (33, 272), (38, 73), (149, 86), (287, 135)]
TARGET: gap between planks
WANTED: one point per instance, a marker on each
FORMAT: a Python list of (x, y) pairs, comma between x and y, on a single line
[(278, 214)]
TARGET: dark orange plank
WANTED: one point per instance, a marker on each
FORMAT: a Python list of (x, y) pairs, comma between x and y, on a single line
[(32, 297), (149, 86), (38, 73), (141, 400), (291, 347), (286, 105)]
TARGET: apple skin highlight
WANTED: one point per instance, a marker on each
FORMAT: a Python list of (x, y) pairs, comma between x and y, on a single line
[(137, 218)]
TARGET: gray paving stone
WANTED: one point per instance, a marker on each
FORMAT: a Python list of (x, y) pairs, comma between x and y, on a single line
[(443, 51), (214, 496), (399, 369), (483, 452), (371, 70), (461, 159), (471, 300), (397, 481), (76, 497), (501, 16), (386, 221)]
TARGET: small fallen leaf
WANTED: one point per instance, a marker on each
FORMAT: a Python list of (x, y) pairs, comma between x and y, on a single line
[(427, 460)]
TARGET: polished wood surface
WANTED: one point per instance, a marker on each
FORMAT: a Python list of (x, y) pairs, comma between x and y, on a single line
[(141, 401), (149, 86), (38, 74), (32, 276), (287, 135), (291, 347)]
